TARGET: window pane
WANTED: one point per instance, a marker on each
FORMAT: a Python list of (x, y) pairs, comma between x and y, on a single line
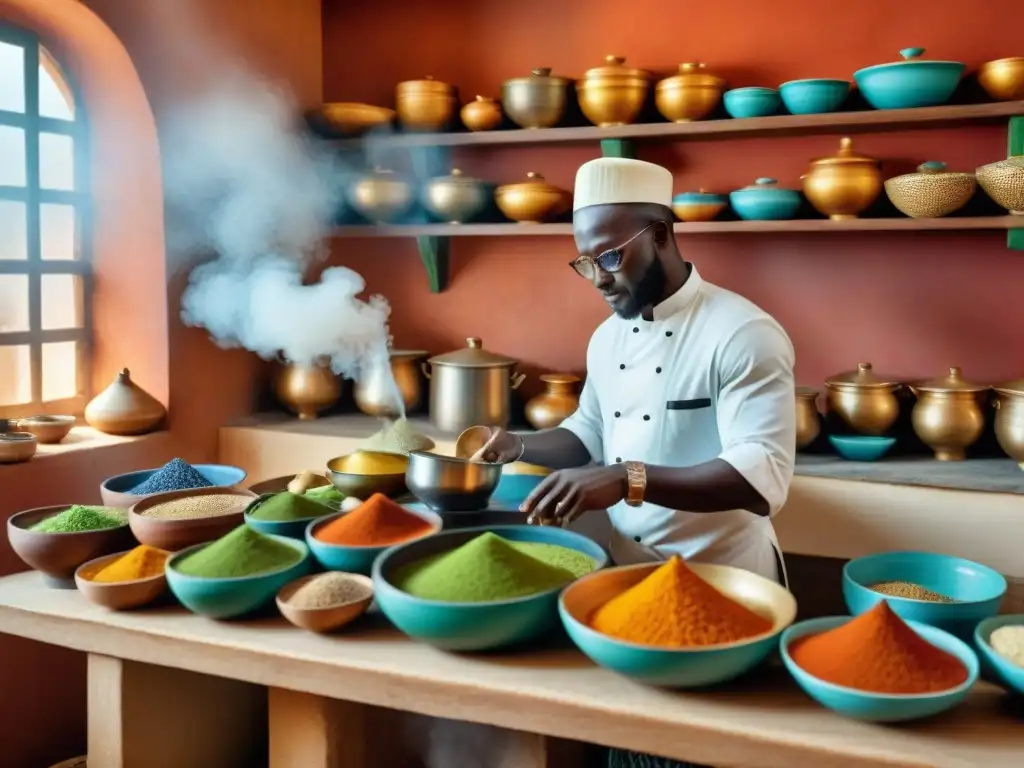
[(59, 239), (60, 370), (61, 302), (13, 303), (56, 161), (15, 375), (12, 78), (13, 231), (12, 156), (55, 97)]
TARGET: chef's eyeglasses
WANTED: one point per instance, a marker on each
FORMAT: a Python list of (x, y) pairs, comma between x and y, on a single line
[(608, 261)]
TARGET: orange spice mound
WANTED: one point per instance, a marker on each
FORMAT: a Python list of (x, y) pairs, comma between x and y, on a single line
[(878, 652), (377, 522), (675, 608)]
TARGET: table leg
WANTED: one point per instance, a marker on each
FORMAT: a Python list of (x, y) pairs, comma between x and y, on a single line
[(145, 716)]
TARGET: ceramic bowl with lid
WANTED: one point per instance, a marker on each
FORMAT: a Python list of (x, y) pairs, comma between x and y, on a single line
[(613, 94), (426, 104), (699, 205), (1003, 181), (743, 103), (843, 185), (949, 414), (1003, 79), (864, 401), (814, 96), (535, 101), (930, 192), (764, 200), (481, 114), (532, 201), (382, 196), (456, 198), (913, 82), (692, 94)]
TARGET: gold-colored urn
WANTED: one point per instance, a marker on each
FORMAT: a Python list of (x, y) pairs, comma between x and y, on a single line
[(1003, 181), (1003, 79), (537, 101), (425, 105), (931, 192), (843, 186), (556, 403), (690, 95), (377, 391), (307, 389), (948, 416), (1009, 427), (808, 420), (532, 201), (481, 114), (456, 198), (613, 94), (382, 196), (864, 401)]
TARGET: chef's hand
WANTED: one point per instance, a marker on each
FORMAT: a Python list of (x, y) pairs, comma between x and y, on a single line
[(564, 495), (501, 448)]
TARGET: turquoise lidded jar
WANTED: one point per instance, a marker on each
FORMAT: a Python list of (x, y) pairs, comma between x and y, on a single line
[(913, 82), (765, 201)]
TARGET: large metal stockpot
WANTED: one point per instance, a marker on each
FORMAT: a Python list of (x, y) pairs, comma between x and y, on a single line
[(471, 386)]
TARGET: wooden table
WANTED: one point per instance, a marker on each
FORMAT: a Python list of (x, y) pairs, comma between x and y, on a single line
[(169, 688)]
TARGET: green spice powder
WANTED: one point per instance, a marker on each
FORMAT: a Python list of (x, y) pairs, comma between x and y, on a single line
[(287, 506), (325, 494), (572, 560), (486, 568), (242, 552), (78, 517)]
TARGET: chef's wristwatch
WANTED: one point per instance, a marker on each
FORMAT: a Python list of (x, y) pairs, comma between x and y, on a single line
[(636, 483)]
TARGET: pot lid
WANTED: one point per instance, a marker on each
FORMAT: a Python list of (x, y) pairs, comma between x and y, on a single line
[(427, 84), (692, 73), (864, 376), (1015, 387), (559, 378), (807, 393), (1016, 161), (615, 67), (473, 355), (934, 169), (700, 196), (407, 354), (765, 184), (533, 181), (455, 177), (484, 99), (539, 75), (952, 382), (911, 57), (845, 156)]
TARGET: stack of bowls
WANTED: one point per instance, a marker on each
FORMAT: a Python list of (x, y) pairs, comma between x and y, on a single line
[(116, 491)]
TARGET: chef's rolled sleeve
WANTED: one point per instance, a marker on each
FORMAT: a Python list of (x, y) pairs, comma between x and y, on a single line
[(586, 422), (757, 408)]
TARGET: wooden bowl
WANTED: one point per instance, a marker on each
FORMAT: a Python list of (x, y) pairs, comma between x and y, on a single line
[(278, 484), (47, 429), (323, 619), (58, 555), (117, 595), (173, 535), (16, 447)]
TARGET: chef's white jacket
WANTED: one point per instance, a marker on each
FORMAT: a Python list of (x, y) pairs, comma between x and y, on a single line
[(710, 376)]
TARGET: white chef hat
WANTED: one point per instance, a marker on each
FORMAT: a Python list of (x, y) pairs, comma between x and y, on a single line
[(611, 180)]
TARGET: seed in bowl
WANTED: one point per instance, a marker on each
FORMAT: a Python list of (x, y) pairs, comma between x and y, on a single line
[(192, 507), (910, 591), (328, 590), (1008, 642)]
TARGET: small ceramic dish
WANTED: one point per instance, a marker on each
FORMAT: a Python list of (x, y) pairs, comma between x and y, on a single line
[(699, 205), (1008, 673), (751, 102), (296, 528), (172, 534), (327, 619), (47, 429), (16, 447), (861, 447), (117, 595), (815, 96)]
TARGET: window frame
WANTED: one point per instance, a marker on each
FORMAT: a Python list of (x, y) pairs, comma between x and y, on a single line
[(34, 197)]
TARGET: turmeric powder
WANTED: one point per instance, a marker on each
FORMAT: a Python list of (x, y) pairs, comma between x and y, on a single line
[(142, 562), (673, 607)]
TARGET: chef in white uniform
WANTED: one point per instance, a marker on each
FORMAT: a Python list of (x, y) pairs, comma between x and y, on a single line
[(686, 428)]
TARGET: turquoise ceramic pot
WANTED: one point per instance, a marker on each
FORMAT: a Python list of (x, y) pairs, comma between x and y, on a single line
[(879, 707), (751, 102), (764, 201), (295, 529), (473, 626), (228, 598), (339, 557), (1004, 670), (861, 447), (812, 97), (910, 83), (977, 589)]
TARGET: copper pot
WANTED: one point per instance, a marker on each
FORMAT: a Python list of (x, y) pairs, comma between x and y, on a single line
[(425, 105), (690, 95), (948, 414), (808, 420), (613, 94), (1003, 79), (537, 101), (1009, 427), (377, 391), (456, 198), (843, 186), (557, 402), (481, 114), (533, 200), (864, 401), (307, 389)]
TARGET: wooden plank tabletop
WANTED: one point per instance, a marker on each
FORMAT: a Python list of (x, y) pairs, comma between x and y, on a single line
[(760, 722)]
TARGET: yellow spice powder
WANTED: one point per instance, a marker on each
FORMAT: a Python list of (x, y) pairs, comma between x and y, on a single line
[(141, 563)]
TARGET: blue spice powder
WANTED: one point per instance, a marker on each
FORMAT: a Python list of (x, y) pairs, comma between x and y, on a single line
[(175, 475)]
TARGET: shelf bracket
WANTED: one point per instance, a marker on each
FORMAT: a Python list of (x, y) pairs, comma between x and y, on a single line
[(434, 254), (1015, 146), (618, 148)]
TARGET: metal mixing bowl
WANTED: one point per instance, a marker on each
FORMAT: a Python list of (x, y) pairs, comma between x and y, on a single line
[(364, 473), (448, 484)]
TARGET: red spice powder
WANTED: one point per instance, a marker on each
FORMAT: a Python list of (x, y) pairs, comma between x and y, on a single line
[(377, 522), (878, 652)]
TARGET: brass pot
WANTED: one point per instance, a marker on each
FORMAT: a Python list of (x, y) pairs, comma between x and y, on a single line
[(1003, 79), (376, 392), (1003, 181), (533, 200), (557, 402), (471, 386), (690, 95), (352, 119), (1009, 427), (843, 186), (481, 114), (931, 192), (948, 415), (307, 389), (613, 94), (456, 198), (425, 105), (864, 401), (537, 101), (382, 196), (808, 420)]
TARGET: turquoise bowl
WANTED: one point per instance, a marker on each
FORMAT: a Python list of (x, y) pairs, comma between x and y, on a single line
[(352, 559), (910, 83), (1008, 673), (232, 597), (813, 97), (473, 626), (517, 482), (861, 447), (764, 201), (880, 707), (978, 589), (672, 667), (751, 102), (295, 529), (218, 475)]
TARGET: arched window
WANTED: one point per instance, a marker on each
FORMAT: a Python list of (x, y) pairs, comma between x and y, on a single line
[(45, 277)]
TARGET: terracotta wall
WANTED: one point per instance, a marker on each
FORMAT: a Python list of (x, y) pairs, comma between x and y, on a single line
[(911, 303)]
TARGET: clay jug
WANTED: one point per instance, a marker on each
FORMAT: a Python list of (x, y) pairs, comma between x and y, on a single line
[(124, 408), (558, 401)]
